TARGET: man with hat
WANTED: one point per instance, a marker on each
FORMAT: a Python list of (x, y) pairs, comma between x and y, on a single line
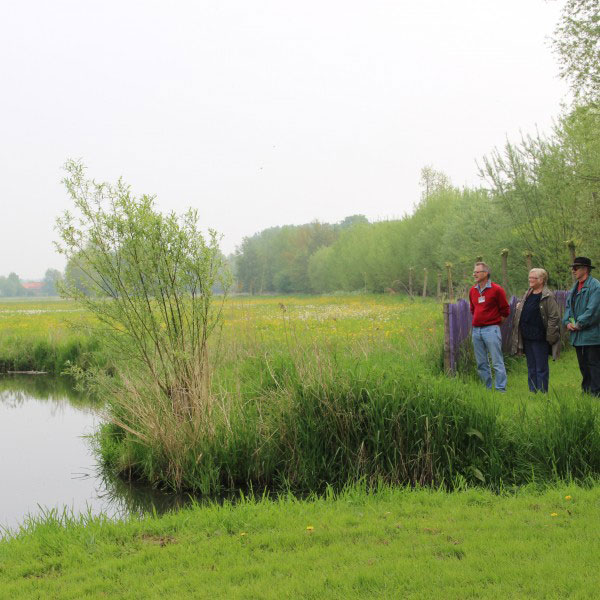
[(582, 318)]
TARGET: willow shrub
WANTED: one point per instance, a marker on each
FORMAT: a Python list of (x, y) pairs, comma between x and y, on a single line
[(147, 279)]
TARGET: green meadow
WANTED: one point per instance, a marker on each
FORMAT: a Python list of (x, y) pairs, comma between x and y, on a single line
[(412, 484)]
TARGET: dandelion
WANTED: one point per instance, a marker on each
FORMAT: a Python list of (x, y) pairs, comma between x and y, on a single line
[(243, 534), (310, 528), (554, 514), (567, 497)]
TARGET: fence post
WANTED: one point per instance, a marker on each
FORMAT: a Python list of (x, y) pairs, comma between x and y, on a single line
[(424, 282), (450, 288), (410, 281), (571, 246), (439, 285), (447, 357), (504, 255)]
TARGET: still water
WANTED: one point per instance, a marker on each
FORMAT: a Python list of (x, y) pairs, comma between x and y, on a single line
[(47, 460)]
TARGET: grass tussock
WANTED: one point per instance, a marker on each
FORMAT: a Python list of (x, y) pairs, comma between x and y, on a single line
[(310, 417)]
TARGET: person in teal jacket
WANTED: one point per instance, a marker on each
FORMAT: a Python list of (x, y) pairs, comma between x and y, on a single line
[(582, 318)]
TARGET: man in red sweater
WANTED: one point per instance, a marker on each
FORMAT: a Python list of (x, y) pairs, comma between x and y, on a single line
[(489, 308)]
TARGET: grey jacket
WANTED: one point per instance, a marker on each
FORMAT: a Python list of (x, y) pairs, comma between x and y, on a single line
[(550, 317)]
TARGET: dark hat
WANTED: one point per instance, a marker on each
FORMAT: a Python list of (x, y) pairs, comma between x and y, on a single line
[(582, 261)]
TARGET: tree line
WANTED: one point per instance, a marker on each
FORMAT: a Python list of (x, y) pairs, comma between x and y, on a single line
[(538, 205), (11, 286)]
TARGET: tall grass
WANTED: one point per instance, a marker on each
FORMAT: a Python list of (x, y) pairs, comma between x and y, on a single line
[(308, 418), (49, 353)]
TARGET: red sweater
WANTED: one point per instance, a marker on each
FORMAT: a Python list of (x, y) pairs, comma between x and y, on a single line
[(491, 310)]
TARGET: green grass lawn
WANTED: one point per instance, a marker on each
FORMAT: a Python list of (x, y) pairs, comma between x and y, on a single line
[(392, 544)]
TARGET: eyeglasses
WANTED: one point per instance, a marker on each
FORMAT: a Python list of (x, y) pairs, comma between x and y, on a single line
[(475, 272)]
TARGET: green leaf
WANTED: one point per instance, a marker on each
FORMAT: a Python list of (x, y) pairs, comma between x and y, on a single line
[(471, 432), (477, 473)]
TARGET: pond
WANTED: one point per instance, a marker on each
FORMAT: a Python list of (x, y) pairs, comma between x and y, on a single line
[(47, 459)]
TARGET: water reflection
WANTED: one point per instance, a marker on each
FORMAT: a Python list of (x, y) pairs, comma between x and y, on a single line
[(17, 389), (138, 498), (47, 458)]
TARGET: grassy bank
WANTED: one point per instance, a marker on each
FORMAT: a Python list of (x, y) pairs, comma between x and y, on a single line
[(46, 335), (395, 543), (310, 392), (319, 392), (331, 425)]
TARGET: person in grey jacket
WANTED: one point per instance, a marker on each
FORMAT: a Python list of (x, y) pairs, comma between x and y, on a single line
[(582, 318), (536, 330)]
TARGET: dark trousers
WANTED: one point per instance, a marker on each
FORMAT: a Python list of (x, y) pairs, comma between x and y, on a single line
[(538, 372), (589, 365)]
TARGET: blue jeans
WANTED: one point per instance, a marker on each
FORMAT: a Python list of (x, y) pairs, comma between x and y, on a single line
[(538, 372), (488, 340)]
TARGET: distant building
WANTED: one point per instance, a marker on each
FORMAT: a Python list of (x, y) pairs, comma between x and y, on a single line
[(34, 288)]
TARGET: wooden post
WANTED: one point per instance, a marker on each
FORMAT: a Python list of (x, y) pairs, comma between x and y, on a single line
[(571, 246), (447, 365), (439, 285), (450, 287), (424, 282), (528, 260), (410, 281), (504, 255)]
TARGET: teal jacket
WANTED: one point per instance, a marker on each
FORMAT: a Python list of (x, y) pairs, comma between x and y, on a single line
[(584, 308)]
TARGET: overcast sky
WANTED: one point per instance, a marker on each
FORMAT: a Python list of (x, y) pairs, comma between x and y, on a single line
[(260, 112)]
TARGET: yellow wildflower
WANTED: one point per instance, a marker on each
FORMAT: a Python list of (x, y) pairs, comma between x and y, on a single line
[(567, 497), (310, 528), (554, 514)]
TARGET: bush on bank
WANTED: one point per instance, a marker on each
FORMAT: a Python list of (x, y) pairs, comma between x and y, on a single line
[(314, 425)]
